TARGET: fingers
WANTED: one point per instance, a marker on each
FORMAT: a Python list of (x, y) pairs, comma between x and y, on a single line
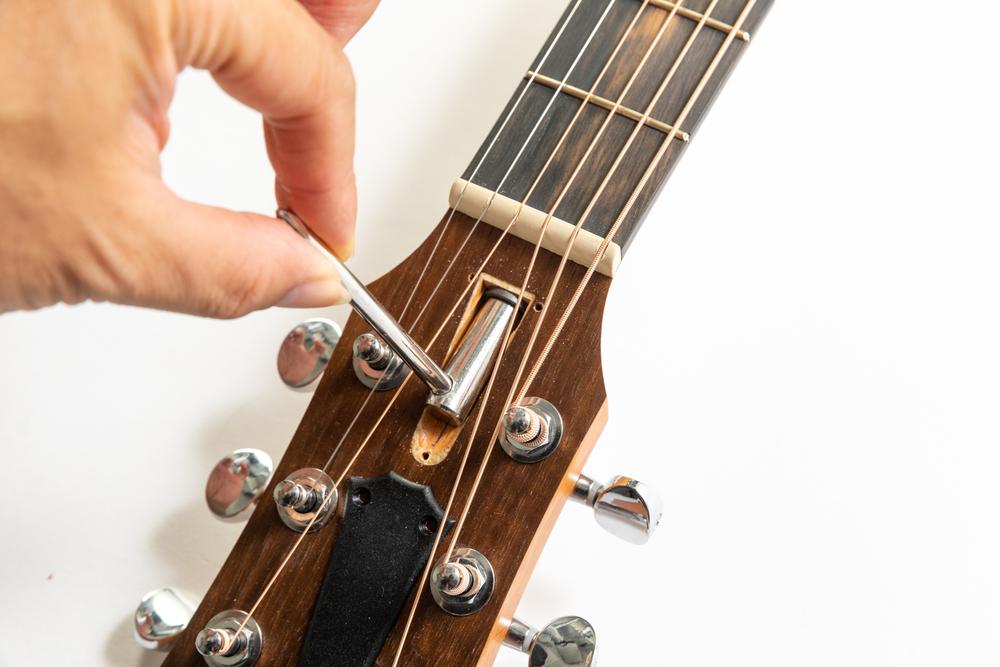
[(210, 261), (272, 55), (341, 18)]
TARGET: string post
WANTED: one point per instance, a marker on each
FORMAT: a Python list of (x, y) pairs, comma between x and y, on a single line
[(373, 350), (292, 495), (306, 499), (532, 430), (231, 638), (375, 364), (463, 582)]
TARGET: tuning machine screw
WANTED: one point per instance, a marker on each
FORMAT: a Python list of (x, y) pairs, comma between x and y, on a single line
[(161, 617), (305, 494), (236, 482), (569, 641), (306, 351), (376, 365), (532, 430), (625, 507), (462, 584), (231, 639)]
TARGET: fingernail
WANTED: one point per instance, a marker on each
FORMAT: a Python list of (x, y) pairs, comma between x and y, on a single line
[(315, 294)]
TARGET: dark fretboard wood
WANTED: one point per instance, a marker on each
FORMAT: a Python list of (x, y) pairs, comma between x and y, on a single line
[(583, 77)]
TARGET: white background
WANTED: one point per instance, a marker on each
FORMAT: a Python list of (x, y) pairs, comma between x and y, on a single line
[(815, 295)]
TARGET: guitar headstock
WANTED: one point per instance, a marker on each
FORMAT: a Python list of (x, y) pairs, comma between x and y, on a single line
[(404, 520), (515, 504)]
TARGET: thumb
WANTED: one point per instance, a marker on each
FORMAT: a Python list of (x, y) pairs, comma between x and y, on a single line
[(211, 261)]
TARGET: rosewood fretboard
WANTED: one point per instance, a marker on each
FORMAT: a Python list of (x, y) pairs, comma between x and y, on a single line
[(543, 78)]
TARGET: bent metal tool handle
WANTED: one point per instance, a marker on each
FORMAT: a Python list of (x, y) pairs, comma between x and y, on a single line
[(384, 324)]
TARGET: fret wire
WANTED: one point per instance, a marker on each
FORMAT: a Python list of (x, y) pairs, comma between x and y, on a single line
[(633, 197), (549, 297), (606, 104), (696, 16), (521, 150), (489, 148)]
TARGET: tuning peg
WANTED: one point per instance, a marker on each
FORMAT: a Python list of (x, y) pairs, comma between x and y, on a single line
[(236, 482), (305, 352), (161, 617), (624, 507), (569, 641)]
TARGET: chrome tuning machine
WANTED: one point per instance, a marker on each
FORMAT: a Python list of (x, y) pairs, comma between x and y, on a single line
[(569, 641), (237, 482), (305, 352), (161, 617), (625, 507)]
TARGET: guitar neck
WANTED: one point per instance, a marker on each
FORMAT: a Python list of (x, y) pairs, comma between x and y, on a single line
[(619, 115)]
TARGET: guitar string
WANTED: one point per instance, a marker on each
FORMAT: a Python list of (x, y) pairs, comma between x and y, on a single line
[(444, 228), (486, 153), (606, 242), (565, 255), (661, 152), (482, 214), (505, 339), (299, 540), (646, 176)]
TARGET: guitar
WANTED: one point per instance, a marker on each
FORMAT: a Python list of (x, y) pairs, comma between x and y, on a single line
[(404, 520)]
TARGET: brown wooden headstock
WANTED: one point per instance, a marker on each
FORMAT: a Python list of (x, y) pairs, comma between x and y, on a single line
[(516, 505)]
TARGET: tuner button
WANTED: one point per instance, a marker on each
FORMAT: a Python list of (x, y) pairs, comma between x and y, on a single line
[(624, 507), (160, 618), (569, 641), (236, 482), (306, 351)]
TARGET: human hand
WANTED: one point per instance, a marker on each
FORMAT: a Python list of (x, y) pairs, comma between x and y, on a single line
[(84, 92)]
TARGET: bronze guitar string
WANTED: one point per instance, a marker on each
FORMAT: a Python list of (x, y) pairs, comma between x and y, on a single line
[(607, 240), (494, 435), (505, 339), (636, 192), (549, 297), (602, 249)]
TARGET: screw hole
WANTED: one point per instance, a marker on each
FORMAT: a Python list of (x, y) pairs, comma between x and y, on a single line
[(362, 497), (426, 456), (428, 525), (538, 306), (472, 276)]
